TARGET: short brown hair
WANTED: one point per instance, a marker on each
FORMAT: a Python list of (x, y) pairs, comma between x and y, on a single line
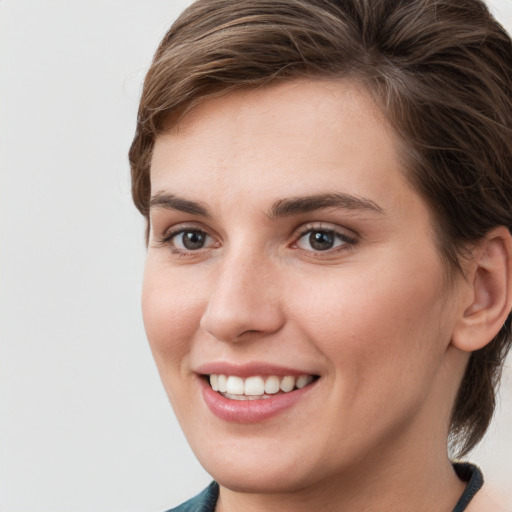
[(441, 70)]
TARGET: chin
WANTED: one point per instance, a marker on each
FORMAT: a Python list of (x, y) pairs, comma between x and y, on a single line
[(258, 469), (260, 479)]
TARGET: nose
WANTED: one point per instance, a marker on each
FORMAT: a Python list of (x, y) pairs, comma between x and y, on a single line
[(244, 300)]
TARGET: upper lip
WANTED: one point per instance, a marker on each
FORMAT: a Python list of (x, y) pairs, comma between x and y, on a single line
[(248, 369)]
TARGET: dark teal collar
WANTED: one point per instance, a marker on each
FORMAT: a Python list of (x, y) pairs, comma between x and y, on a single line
[(203, 502), (473, 476)]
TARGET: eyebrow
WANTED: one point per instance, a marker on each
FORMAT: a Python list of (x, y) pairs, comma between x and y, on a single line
[(295, 205), (281, 208), (173, 202)]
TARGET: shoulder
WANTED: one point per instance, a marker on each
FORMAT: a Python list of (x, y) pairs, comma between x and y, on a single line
[(203, 502), (488, 500)]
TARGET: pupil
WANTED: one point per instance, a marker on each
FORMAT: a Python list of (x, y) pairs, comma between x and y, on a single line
[(193, 240), (321, 240)]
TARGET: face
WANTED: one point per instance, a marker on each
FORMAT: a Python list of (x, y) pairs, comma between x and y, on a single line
[(294, 299)]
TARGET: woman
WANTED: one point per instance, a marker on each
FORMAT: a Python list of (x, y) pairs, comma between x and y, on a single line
[(327, 291)]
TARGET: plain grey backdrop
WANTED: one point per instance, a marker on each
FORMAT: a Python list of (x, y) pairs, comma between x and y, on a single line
[(84, 422)]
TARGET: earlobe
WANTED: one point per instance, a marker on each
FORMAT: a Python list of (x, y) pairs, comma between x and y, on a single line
[(489, 296)]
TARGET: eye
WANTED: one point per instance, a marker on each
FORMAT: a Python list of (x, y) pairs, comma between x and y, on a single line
[(189, 240), (322, 240)]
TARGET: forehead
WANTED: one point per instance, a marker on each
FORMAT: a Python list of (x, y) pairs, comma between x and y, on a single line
[(281, 101), (284, 134)]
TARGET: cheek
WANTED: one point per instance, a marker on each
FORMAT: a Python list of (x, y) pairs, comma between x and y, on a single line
[(383, 345), (171, 311), (378, 323)]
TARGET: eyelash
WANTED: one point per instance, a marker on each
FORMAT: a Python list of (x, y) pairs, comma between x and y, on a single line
[(347, 241), (167, 239)]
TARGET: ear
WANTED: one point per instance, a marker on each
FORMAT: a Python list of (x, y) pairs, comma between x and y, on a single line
[(487, 299)]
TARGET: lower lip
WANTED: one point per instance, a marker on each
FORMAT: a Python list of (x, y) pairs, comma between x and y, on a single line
[(251, 411)]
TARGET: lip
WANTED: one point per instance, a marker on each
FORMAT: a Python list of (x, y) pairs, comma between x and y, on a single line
[(250, 411)]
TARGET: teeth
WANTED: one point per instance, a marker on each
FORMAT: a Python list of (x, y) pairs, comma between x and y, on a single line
[(303, 381), (239, 389), (235, 385), (223, 380), (254, 386), (214, 382), (272, 385), (287, 383)]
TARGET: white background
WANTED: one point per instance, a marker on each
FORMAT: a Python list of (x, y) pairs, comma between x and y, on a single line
[(85, 424)]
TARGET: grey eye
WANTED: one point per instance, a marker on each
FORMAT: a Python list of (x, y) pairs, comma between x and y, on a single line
[(320, 240), (190, 240)]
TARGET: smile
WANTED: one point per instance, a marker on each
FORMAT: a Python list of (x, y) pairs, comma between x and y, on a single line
[(257, 387)]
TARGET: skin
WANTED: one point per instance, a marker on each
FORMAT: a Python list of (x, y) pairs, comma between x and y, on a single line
[(373, 316)]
